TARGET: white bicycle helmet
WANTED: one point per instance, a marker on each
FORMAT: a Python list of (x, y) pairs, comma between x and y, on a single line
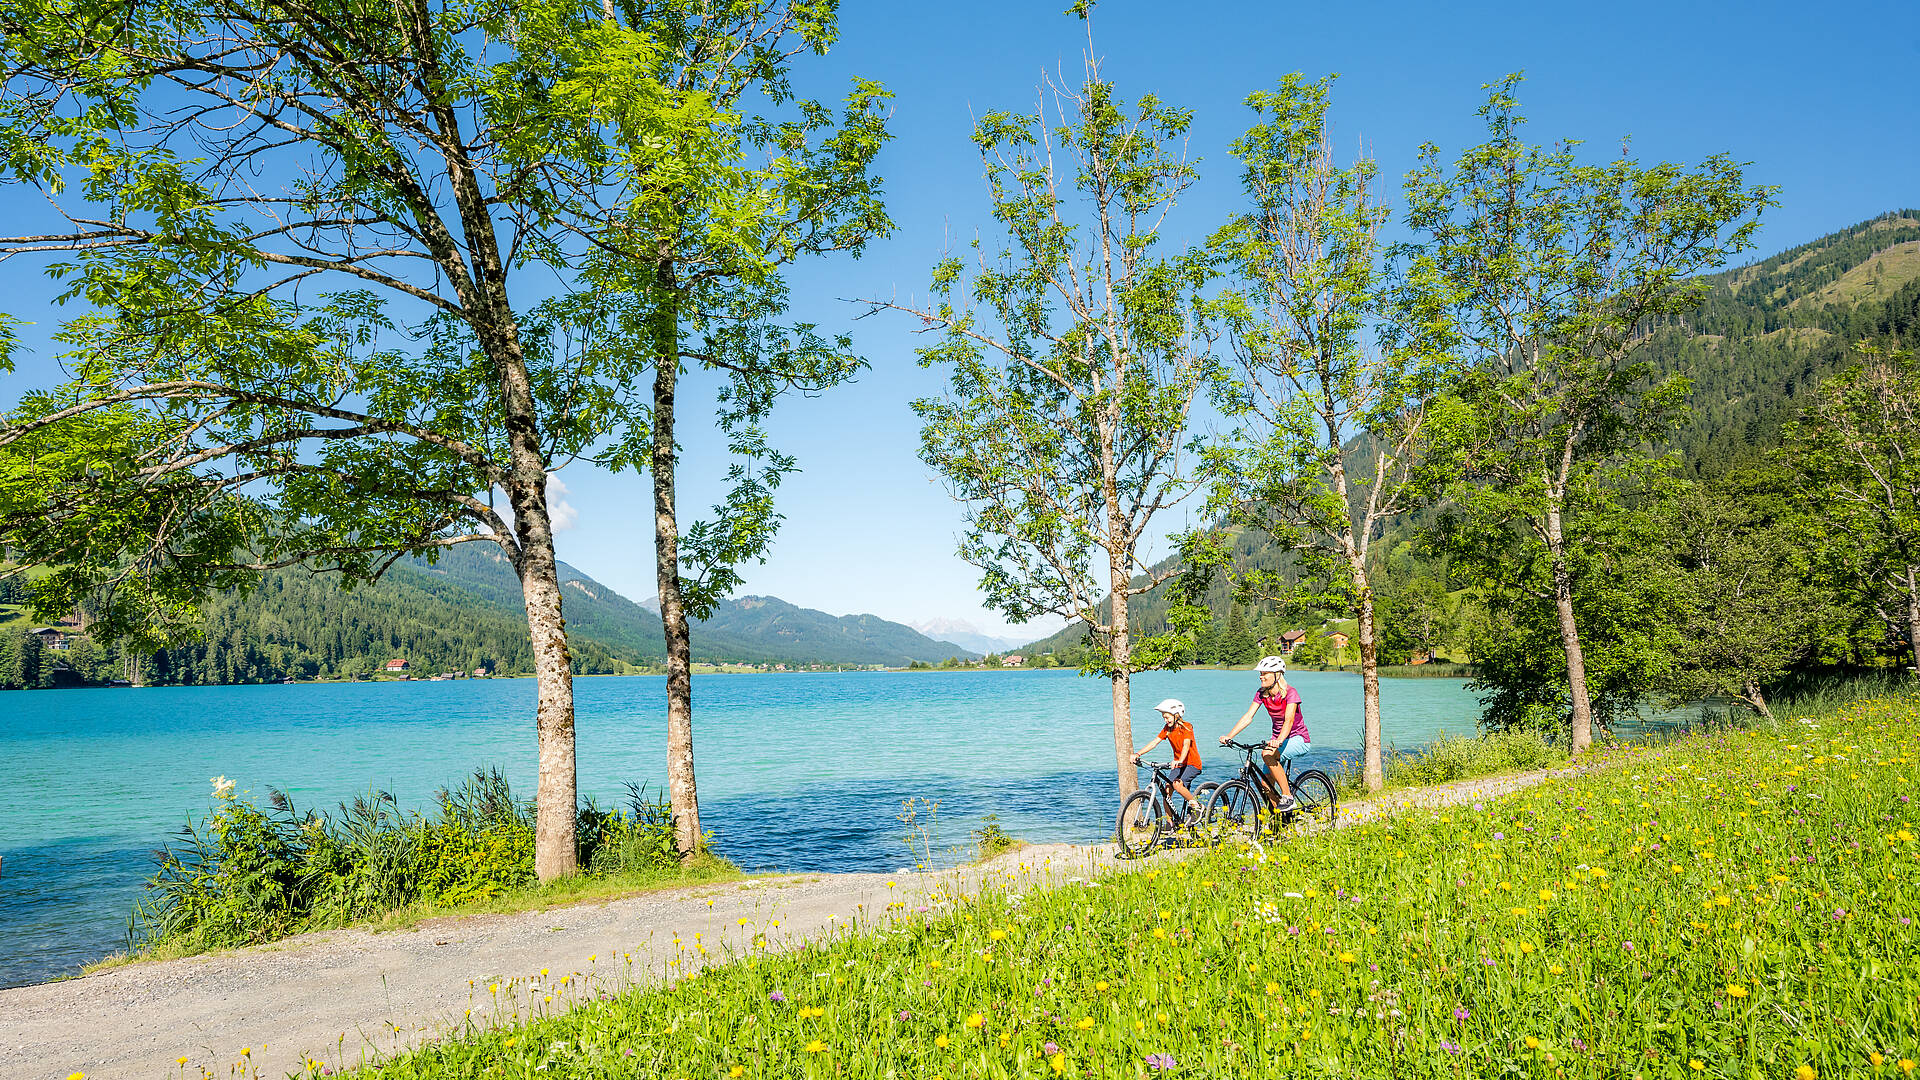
[(1271, 663), (1172, 705)]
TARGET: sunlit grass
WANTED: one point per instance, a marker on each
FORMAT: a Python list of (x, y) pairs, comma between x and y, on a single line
[(1733, 905)]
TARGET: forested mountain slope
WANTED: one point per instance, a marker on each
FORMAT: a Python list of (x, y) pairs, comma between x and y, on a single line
[(460, 613)]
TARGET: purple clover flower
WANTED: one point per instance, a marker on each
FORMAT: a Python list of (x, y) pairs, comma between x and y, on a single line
[(776, 996), (1161, 1061), (1460, 1013), (1050, 1047), (1451, 1048)]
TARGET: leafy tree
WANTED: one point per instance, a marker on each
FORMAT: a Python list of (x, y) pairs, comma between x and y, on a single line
[(1417, 617), (1308, 275), (1237, 645), (1750, 602), (1857, 449), (319, 245), (1072, 379), (1543, 273)]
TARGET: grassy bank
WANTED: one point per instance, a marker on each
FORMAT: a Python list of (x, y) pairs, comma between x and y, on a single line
[(1737, 904), (248, 874)]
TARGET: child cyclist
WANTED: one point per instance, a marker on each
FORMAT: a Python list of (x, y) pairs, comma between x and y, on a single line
[(1290, 738), (1186, 753)]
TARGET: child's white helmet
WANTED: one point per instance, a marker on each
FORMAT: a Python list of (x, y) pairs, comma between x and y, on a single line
[(1271, 663), (1172, 705)]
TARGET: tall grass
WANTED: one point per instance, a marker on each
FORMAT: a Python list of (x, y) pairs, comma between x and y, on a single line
[(1436, 670), (1458, 757), (247, 874)]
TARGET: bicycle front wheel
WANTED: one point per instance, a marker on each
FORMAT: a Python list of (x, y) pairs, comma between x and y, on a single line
[(1234, 812), (1316, 803), (1139, 826)]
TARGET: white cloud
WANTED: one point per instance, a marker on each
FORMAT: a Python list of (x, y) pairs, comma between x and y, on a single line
[(562, 512)]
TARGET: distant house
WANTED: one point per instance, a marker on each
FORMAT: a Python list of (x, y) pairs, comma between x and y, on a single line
[(1014, 660), (395, 667), (1291, 640), (1339, 639), (52, 637), (479, 673), (1418, 658)]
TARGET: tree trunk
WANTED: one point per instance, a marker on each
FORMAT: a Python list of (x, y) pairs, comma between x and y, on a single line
[(1121, 653), (1570, 637), (1372, 769), (556, 798), (1913, 614), (1753, 695), (682, 793)]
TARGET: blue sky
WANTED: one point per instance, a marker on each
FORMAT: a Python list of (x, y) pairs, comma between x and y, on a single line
[(1820, 99)]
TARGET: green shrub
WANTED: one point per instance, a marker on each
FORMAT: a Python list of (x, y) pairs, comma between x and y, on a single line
[(247, 874)]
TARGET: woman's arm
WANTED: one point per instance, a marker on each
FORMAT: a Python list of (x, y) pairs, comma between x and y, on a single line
[(1244, 721)]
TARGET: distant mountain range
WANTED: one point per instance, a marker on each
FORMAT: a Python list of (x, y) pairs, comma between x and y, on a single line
[(753, 629), (965, 634)]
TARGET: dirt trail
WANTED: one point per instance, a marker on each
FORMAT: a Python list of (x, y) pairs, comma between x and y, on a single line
[(346, 996)]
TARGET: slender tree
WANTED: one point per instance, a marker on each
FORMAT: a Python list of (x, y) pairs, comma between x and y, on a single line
[(1545, 275), (1309, 274), (693, 276), (1856, 447), (320, 247), (1075, 356)]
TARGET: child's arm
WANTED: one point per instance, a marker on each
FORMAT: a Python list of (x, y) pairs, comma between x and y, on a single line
[(1244, 721)]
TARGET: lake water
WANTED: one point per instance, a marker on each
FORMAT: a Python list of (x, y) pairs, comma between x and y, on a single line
[(796, 772)]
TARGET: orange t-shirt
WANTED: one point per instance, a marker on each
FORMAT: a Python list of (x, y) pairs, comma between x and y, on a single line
[(1178, 732)]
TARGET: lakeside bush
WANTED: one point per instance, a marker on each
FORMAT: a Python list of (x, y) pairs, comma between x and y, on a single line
[(247, 874), (1735, 904)]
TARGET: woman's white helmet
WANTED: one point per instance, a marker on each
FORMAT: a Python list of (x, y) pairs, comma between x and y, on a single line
[(1271, 663), (1172, 706)]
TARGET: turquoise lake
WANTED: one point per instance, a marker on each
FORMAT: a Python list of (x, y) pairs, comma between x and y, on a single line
[(796, 772)]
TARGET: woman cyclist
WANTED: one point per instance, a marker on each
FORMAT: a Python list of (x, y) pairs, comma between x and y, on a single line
[(1290, 738)]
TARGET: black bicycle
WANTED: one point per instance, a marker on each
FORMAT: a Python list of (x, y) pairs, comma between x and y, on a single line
[(1145, 820), (1243, 808)]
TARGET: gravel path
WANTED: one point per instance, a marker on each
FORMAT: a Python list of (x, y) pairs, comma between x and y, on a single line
[(346, 996)]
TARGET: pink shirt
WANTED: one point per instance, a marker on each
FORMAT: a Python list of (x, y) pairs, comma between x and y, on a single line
[(1277, 708)]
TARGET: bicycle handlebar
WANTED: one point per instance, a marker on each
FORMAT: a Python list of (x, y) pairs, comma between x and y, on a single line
[(1247, 746), (1154, 765)]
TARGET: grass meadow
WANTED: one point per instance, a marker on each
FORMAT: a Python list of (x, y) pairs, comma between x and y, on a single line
[(1738, 904)]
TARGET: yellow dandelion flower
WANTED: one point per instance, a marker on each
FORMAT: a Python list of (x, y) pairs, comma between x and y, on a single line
[(940, 1041), (737, 1072), (1101, 986), (1546, 894), (1273, 988), (1533, 1043), (1804, 1072), (1697, 1065), (1906, 1066), (998, 935), (1059, 1063), (1160, 1016), (1085, 1023), (1345, 958), (1736, 991), (977, 1020), (816, 1047)]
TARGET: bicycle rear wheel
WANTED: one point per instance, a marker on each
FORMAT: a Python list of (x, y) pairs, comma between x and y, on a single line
[(1315, 801), (1235, 812), (1138, 828)]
